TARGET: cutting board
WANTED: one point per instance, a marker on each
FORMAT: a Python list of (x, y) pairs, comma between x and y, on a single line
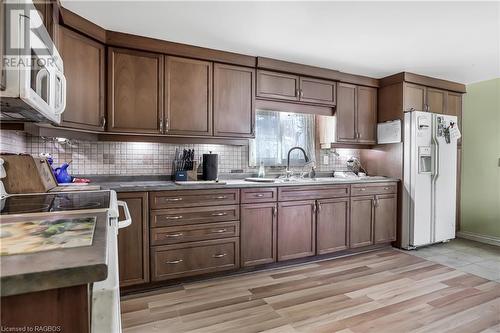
[(27, 174)]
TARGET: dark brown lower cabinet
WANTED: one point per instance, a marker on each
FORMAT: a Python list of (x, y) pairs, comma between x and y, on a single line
[(385, 218), (332, 225), (296, 229), (258, 233), (133, 241), (362, 216), (194, 258)]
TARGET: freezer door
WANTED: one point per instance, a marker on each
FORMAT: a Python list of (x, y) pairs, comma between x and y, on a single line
[(417, 201), (444, 179)]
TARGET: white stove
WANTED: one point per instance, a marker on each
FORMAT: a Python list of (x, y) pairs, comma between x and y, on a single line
[(106, 293)]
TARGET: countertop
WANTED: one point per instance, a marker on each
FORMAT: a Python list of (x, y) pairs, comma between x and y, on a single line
[(164, 185), (64, 267)]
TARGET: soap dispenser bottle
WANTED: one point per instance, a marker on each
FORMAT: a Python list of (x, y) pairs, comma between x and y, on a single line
[(262, 170)]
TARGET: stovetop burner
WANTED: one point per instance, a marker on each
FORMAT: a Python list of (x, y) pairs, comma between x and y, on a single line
[(54, 202)]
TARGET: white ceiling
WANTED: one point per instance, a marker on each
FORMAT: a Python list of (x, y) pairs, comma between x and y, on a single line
[(458, 41)]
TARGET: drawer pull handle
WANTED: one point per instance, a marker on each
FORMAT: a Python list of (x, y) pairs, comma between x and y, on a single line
[(260, 195), (222, 255), (218, 231), (179, 234), (362, 189), (220, 197), (386, 188), (219, 214), (173, 199), (173, 217), (173, 262)]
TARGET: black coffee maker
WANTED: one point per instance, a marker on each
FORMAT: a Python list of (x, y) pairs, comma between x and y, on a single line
[(210, 166)]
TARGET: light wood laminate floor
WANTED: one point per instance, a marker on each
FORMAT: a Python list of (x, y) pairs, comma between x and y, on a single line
[(382, 291)]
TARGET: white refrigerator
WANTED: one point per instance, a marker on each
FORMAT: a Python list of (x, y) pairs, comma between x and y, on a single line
[(430, 167)]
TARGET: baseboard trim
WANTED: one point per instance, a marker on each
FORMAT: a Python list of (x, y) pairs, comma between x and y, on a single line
[(479, 238)]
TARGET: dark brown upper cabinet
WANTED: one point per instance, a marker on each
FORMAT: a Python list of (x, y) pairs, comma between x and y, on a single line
[(317, 91), (133, 241), (414, 97), (296, 229), (135, 91), (289, 87), (84, 62), (435, 100), (188, 97), (356, 114), (277, 85), (234, 91), (332, 225)]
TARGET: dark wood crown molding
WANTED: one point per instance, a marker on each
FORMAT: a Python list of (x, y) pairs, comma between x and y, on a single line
[(422, 80)]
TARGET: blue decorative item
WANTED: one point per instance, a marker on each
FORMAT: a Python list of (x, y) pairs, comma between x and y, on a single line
[(62, 175)]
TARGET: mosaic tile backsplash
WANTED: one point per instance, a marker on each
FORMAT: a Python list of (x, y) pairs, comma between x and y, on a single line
[(141, 158)]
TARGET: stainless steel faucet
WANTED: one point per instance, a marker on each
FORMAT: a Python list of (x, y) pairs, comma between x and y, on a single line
[(306, 158)]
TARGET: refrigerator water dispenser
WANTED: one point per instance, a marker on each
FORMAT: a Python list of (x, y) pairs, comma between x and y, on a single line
[(424, 159)]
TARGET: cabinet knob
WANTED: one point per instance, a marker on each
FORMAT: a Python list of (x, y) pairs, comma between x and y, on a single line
[(221, 255), (173, 262), (274, 211), (103, 122)]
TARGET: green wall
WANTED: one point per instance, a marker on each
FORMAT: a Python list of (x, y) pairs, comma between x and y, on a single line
[(480, 159)]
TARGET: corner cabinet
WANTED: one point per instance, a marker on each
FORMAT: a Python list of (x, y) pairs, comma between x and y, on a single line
[(356, 114), (135, 91), (289, 87), (234, 91), (133, 241), (188, 97), (84, 62)]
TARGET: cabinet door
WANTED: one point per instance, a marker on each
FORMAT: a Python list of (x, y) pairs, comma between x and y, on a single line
[(84, 70), (436, 100), (296, 229), (386, 207), (258, 233), (346, 112), (361, 228), (367, 114), (277, 85), (188, 97), (135, 91), (234, 91), (133, 241), (414, 97), (332, 225), (317, 91)]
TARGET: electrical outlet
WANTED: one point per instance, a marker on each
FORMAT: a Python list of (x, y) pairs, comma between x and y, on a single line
[(326, 160)]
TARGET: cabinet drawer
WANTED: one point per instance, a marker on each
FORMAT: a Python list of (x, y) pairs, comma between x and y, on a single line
[(312, 192), (182, 216), (194, 198), (173, 261), (256, 195), (368, 189), (195, 232)]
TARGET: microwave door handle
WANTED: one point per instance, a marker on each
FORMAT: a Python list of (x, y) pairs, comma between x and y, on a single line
[(60, 109), (39, 78)]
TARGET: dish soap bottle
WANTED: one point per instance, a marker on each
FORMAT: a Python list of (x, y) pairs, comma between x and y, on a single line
[(262, 170)]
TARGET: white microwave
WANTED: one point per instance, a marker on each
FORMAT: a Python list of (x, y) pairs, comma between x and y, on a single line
[(33, 84)]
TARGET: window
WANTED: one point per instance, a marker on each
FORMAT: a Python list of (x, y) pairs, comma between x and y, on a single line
[(276, 132)]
